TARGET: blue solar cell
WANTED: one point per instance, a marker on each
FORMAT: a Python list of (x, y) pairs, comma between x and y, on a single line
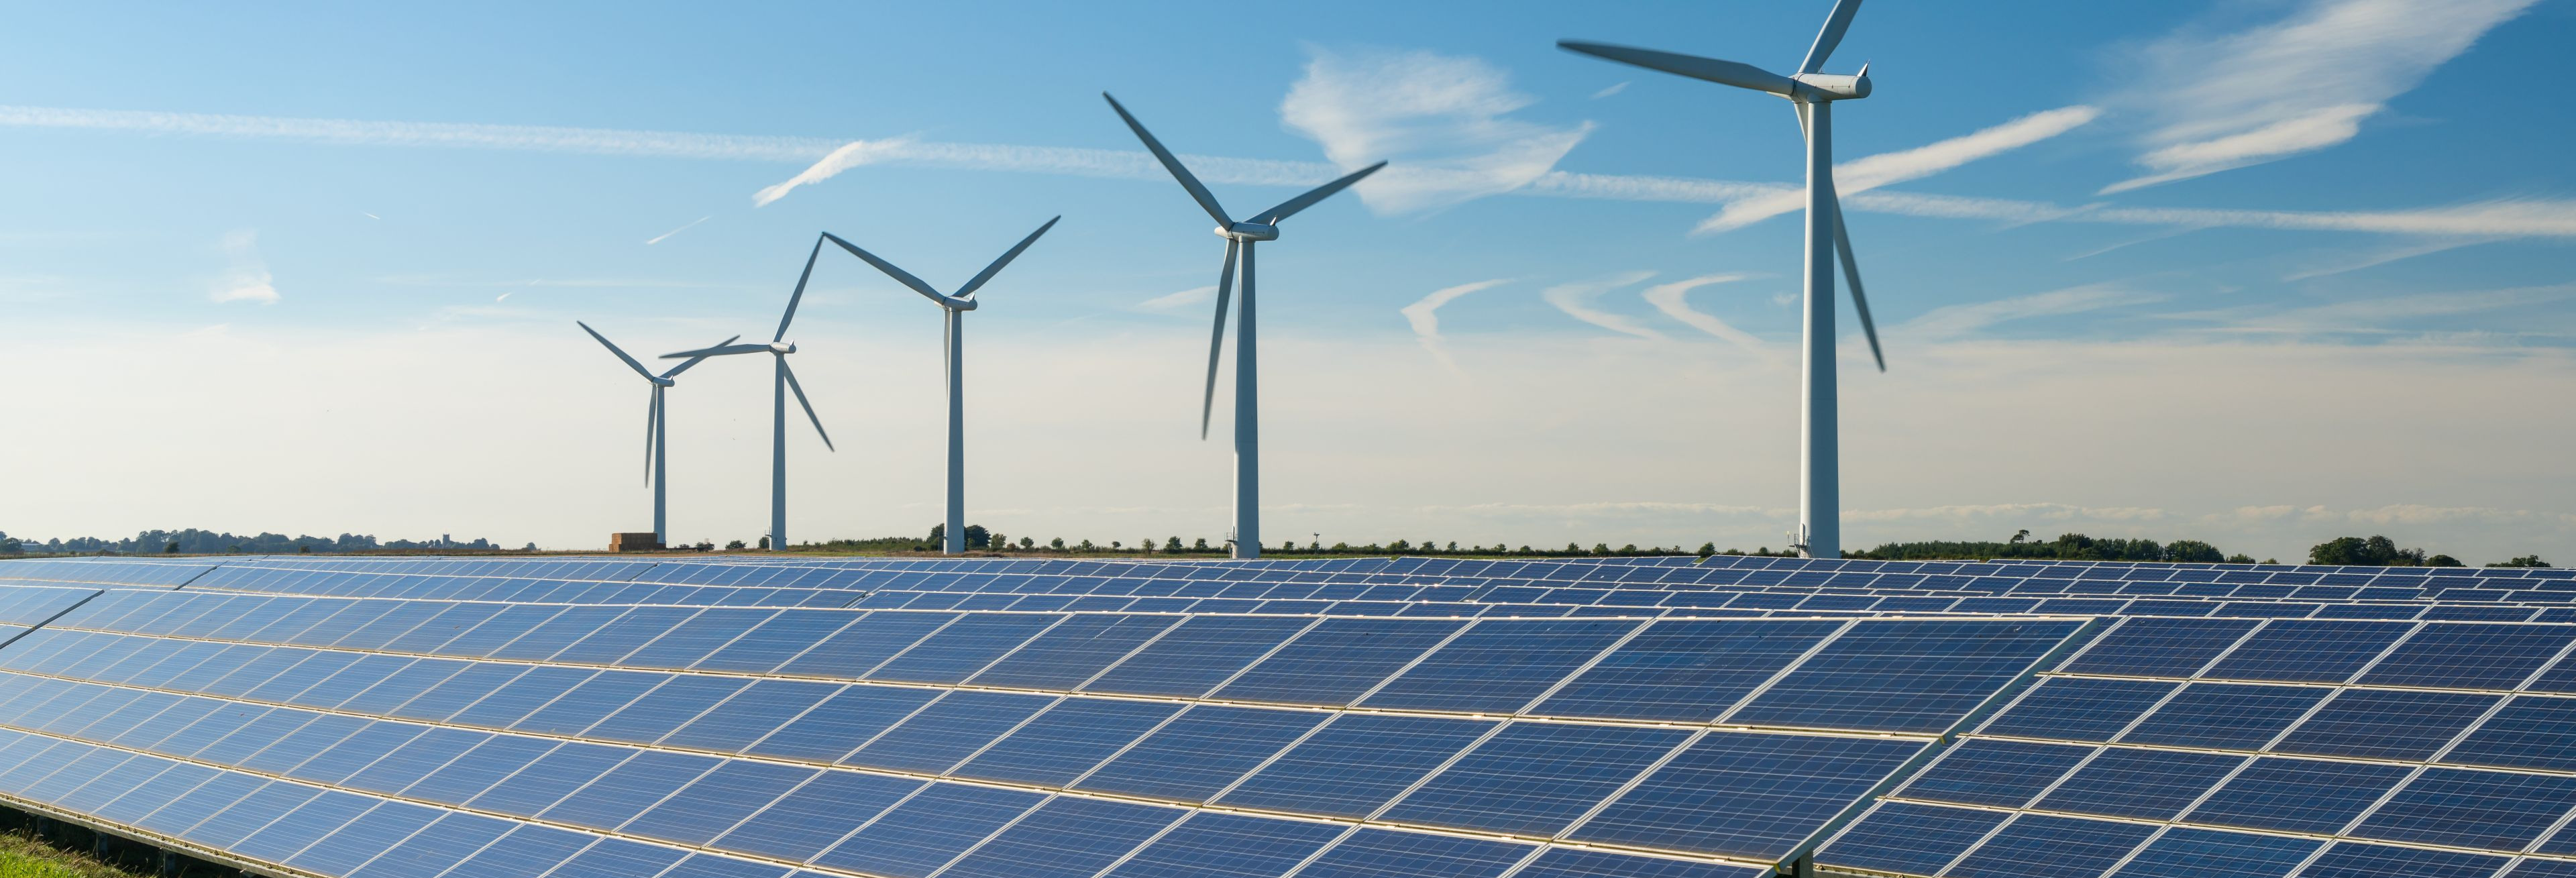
[(2530, 732), (525, 852), (1989, 772), (2234, 716), (717, 800), (2154, 784), (613, 642), (751, 714), (1196, 655), (2308, 651), (2461, 807), (2042, 845), (1073, 652), (1499, 666), (2543, 869), (842, 722), (1201, 751), (673, 704), (773, 642), (1535, 778), (2463, 655), (415, 759), (488, 763), (2385, 724), (2184, 852), (1065, 836), (1067, 740), (2298, 795), (549, 778), (925, 832), (1380, 853), (2357, 860), (803, 822), (634, 785), (2078, 708), (298, 829), (949, 730), (1355, 764), (451, 838), (1746, 794), (963, 648), (1689, 670), (1903, 675), (711, 866), (864, 644), (2159, 647), (1338, 660), (1912, 838), (618, 858), (1581, 863), (1215, 844)]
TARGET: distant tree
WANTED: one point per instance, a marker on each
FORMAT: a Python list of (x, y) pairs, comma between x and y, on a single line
[(2193, 552), (1200, 545), (2240, 558), (2020, 535), (1453, 545), (1086, 546), (1115, 545), (1028, 542), (1708, 548), (1172, 545), (1629, 549), (304, 549), (938, 534), (2524, 561), (2443, 561), (1056, 544), (1399, 546), (2375, 551), (764, 543), (9, 544), (736, 545), (1600, 548), (977, 537)]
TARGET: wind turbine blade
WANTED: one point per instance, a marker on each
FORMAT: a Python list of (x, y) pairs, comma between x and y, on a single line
[(1851, 272), (800, 400), (683, 367), (968, 291), (1291, 206), (1197, 192), (1835, 24), (799, 294), (900, 276), (652, 418), (1733, 73), (630, 361), (719, 351), (1216, 337)]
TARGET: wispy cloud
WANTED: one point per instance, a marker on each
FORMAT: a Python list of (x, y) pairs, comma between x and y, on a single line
[(2502, 219), (1575, 299), (1671, 299), (1871, 172), (248, 279), (2384, 255), (1621, 86), (2296, 85), (848, 155), (1424, 316), (2012, 511), (1179, 300), (656, 239), (1961, 320), (1442, 121), (2390, 314)]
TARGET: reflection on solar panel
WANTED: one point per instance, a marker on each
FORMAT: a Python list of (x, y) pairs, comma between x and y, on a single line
[(1586, 718)]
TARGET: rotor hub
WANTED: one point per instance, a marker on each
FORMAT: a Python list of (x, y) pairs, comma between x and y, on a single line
[(1830, 87), (1249, 232), (782, 347)]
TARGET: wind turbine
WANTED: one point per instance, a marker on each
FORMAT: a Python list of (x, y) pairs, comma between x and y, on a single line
[(1813, 94), (1263, 226), (954, 309), (783, 380), (657, 430)]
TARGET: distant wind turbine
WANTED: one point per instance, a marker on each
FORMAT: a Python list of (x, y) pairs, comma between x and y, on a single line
[(953, 309), (657, 430), (783, 380), (1263, 226), (1820, 479)]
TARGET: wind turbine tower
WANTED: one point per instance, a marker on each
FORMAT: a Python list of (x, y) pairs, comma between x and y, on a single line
[(1239, 236), (954, 308), (782, 381), (657, 431), (1813, 93)]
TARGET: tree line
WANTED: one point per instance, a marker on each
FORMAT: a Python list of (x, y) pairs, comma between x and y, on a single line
[(193, 541)]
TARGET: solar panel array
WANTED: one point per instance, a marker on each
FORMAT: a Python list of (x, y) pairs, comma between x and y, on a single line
[(574, 717)]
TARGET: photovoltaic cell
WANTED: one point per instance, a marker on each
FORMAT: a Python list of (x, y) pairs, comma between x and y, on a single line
[(2385, 724), (2308, 651), (1379, 853), (2152, 647), (2470, 656), (2151, 784), (2039, 844), (1535, 778), (1355, 764), (2078, 708), (1685, 670), (1497, 667), (2530, 732), (1338, 660), (2476, 809), (1580, 863), (2357, 860), (2298, 795), (1911, 838), (2231, 716), (1742, 794), (1988, 772), (1907, 676), (1201, 751), (2184, 852)]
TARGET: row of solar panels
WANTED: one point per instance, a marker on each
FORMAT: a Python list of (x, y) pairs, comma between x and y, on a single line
[(525, 739)]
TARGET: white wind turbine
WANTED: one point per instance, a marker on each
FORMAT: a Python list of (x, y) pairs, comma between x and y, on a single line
[(657, 430), (953, 308), (1263, 226), (784, 380), (1812, 93)]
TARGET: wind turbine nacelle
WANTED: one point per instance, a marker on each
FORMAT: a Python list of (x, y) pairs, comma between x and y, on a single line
[(1249, 232), (782, 347), (1828, 87), (660, 381)]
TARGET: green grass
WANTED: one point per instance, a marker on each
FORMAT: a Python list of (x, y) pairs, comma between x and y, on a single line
[(22, 856)]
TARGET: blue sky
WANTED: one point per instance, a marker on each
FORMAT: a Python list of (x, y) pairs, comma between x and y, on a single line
[(2252, 271)]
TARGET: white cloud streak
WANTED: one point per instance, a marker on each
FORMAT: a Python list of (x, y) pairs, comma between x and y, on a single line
[(1870, 172), (1179, 300), (1575, 299), (849, 155), (1672, 299), (2503, 219), (2303, 83), (665, 236), (1424, 317), (1440, 120), (1958, 321), (248, 279)]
